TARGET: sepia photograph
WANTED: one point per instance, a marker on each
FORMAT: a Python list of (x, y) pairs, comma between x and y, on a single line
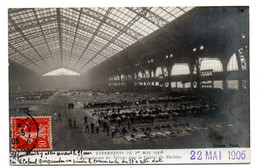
[(106, 81)]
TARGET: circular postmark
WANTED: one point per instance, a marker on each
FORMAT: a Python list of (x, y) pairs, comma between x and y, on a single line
[(25, 132)]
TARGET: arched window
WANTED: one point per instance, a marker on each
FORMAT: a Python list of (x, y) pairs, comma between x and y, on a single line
[(116, 77), (152, 74), (211, 63), (147, 74), (140, 75), (122, 77), (180, 69), (111, 78), (158, 72), (129, 77), (143, 75), (194, 70), (232, 64)]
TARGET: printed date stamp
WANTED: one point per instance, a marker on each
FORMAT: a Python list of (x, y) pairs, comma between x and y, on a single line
[(31, 133), (229, 154)]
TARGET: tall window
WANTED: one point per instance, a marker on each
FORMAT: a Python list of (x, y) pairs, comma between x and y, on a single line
[(173, 84), (211, 63), (129, 77), (158, 72), (180, 69), (187, 85), (232, 64), (122, 77), (116, 78), (218, 84), (232, 84), (140, 75), (147, 74), (110, 78), (179, 85), (152, 74)]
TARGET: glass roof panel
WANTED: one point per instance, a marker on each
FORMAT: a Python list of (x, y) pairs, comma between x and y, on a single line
[(45, 12), (70, 14), (108, 29), (128, 40), (100, 10), (88, 22), (179, 13), (122, 15), (98, 32)]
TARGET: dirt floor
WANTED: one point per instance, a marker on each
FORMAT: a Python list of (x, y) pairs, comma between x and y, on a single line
[(227, 130)]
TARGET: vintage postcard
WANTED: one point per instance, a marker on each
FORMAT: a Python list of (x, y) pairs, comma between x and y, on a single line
[(129, 85)]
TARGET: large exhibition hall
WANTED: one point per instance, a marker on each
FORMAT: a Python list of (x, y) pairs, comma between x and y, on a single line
[(132, 77)]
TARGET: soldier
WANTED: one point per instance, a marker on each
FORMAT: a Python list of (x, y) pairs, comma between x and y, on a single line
[(59, 116), (70, 122), (99, 121), (74, 123), (85, 119), (104, 126), (86, 128), (118, 121), (92, 125), (97, 129), (129, 125), (107, 130)]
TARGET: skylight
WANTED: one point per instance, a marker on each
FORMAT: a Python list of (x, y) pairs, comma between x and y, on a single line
[(60, 72)]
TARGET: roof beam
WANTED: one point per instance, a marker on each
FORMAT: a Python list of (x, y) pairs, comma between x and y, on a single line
[(75, 35), (43, 21), (156, 21), (149, 16), (44, 35), (135, 19), (60, 34), (89, 38), (23, 35), (32, 36), (28, 59), (94, 34), (149, 48), (116, 25), (100, 34), (14, 10)]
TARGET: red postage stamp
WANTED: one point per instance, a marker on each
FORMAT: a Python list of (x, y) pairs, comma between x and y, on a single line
[(31, 133)]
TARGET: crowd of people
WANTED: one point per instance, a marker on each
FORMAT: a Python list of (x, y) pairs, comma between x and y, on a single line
[(149, 112), (121, 120), (113, 130), (137, 101), (22, 96), (122, 115)]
